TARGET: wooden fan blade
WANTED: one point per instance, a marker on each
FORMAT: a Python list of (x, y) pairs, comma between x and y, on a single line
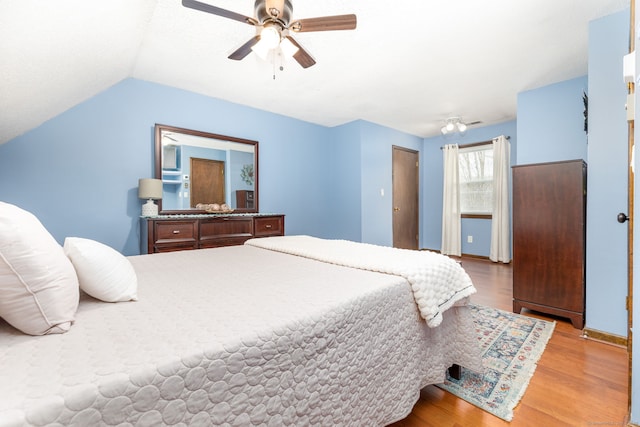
[(302, 56), (203, 7), (245, 49), (325, 23)]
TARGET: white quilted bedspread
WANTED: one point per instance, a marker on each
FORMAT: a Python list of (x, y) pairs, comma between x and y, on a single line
[(236, 336), (437, 281)]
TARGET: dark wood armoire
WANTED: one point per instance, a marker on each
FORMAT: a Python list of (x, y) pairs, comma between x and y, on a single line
[(244, 199), (549, 238)]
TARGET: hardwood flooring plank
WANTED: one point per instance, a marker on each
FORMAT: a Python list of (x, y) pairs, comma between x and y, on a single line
[(578, 382)]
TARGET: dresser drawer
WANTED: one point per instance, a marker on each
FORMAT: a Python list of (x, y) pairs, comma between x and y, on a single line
[(174, 247), (269, 226), (167, 233), (225, 231), (175, 235)]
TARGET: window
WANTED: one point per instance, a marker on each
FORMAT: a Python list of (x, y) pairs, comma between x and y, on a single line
[(476, 179)]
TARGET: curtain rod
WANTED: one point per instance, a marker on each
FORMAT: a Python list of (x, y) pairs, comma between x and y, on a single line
[(473, 144)]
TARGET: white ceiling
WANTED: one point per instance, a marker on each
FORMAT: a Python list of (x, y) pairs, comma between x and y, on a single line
[(409, 64)]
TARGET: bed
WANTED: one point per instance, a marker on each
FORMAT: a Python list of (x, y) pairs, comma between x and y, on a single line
[(240, 336)]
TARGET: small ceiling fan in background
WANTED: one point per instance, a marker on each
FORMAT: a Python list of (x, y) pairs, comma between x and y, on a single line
[(456, 125), (274, 28)]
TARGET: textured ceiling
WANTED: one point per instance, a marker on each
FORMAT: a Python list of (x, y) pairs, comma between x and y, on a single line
[(409, 64)]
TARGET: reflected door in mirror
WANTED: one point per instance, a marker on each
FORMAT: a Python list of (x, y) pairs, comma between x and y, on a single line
[(207, 182)]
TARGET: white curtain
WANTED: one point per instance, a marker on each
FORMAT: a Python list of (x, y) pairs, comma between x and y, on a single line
[(500, 231), (451, 242)]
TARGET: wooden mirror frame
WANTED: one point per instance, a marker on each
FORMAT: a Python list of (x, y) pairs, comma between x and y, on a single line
[(159, 129)]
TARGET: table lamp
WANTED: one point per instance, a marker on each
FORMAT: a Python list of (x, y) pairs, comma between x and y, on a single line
[(150, 189)]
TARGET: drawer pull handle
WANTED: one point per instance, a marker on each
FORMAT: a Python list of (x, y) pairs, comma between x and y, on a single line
[(267, 226), (176, 231)]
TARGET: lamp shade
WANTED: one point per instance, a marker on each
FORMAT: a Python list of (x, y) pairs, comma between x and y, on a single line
[(453, 125), (270, 36), (288, 48), (149, 188)]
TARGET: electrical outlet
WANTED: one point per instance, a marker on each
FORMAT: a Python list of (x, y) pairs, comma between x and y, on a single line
[(469, 239)]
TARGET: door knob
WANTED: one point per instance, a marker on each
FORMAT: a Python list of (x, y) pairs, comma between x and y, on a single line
[(396, 209), (622, 218)]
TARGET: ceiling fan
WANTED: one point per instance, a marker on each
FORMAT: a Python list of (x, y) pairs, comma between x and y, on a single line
[(455, 124), (272, 19)]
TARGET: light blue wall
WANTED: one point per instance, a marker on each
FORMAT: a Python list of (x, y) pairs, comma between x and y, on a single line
[(345, 175), (551, 123), (376, 144), (607, 182), (79, 171), (237, 161), (480, 229), (364, 163)]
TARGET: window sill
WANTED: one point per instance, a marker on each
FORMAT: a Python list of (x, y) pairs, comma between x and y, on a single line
[(476, 216)]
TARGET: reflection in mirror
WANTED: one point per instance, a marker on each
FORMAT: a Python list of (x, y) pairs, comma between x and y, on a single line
[(202, 171)]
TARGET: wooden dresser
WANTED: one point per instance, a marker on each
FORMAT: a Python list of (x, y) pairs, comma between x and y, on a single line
[(549, 238), (167, 233)]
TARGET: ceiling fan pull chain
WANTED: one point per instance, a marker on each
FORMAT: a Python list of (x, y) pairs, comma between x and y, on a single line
[(273, 62)]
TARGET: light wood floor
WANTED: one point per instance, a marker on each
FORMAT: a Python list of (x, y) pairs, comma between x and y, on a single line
[(578, 382)]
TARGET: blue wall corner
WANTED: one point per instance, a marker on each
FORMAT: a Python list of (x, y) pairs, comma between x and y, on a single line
[(551, 123)]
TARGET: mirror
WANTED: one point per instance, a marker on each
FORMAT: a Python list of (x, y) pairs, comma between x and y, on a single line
[(203, 172)]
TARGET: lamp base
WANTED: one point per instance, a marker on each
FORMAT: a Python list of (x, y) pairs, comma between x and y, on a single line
[(149, 208)]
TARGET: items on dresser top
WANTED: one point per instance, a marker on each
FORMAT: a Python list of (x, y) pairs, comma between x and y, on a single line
[(168, 233)]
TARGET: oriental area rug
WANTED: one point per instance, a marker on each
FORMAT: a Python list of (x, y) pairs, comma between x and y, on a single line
[(511, 346)]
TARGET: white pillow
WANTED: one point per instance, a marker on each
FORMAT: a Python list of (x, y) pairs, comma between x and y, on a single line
[(38, 286), (103, 272)]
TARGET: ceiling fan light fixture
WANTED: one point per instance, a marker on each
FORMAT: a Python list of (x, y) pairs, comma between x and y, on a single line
[(270, 37), (454, 124), (288, 48), (261, 50)]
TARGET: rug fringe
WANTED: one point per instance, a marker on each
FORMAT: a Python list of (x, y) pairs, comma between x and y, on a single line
[(525, 384)]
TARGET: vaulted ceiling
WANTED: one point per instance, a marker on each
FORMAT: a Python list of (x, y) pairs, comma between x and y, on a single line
[(409, 64)]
